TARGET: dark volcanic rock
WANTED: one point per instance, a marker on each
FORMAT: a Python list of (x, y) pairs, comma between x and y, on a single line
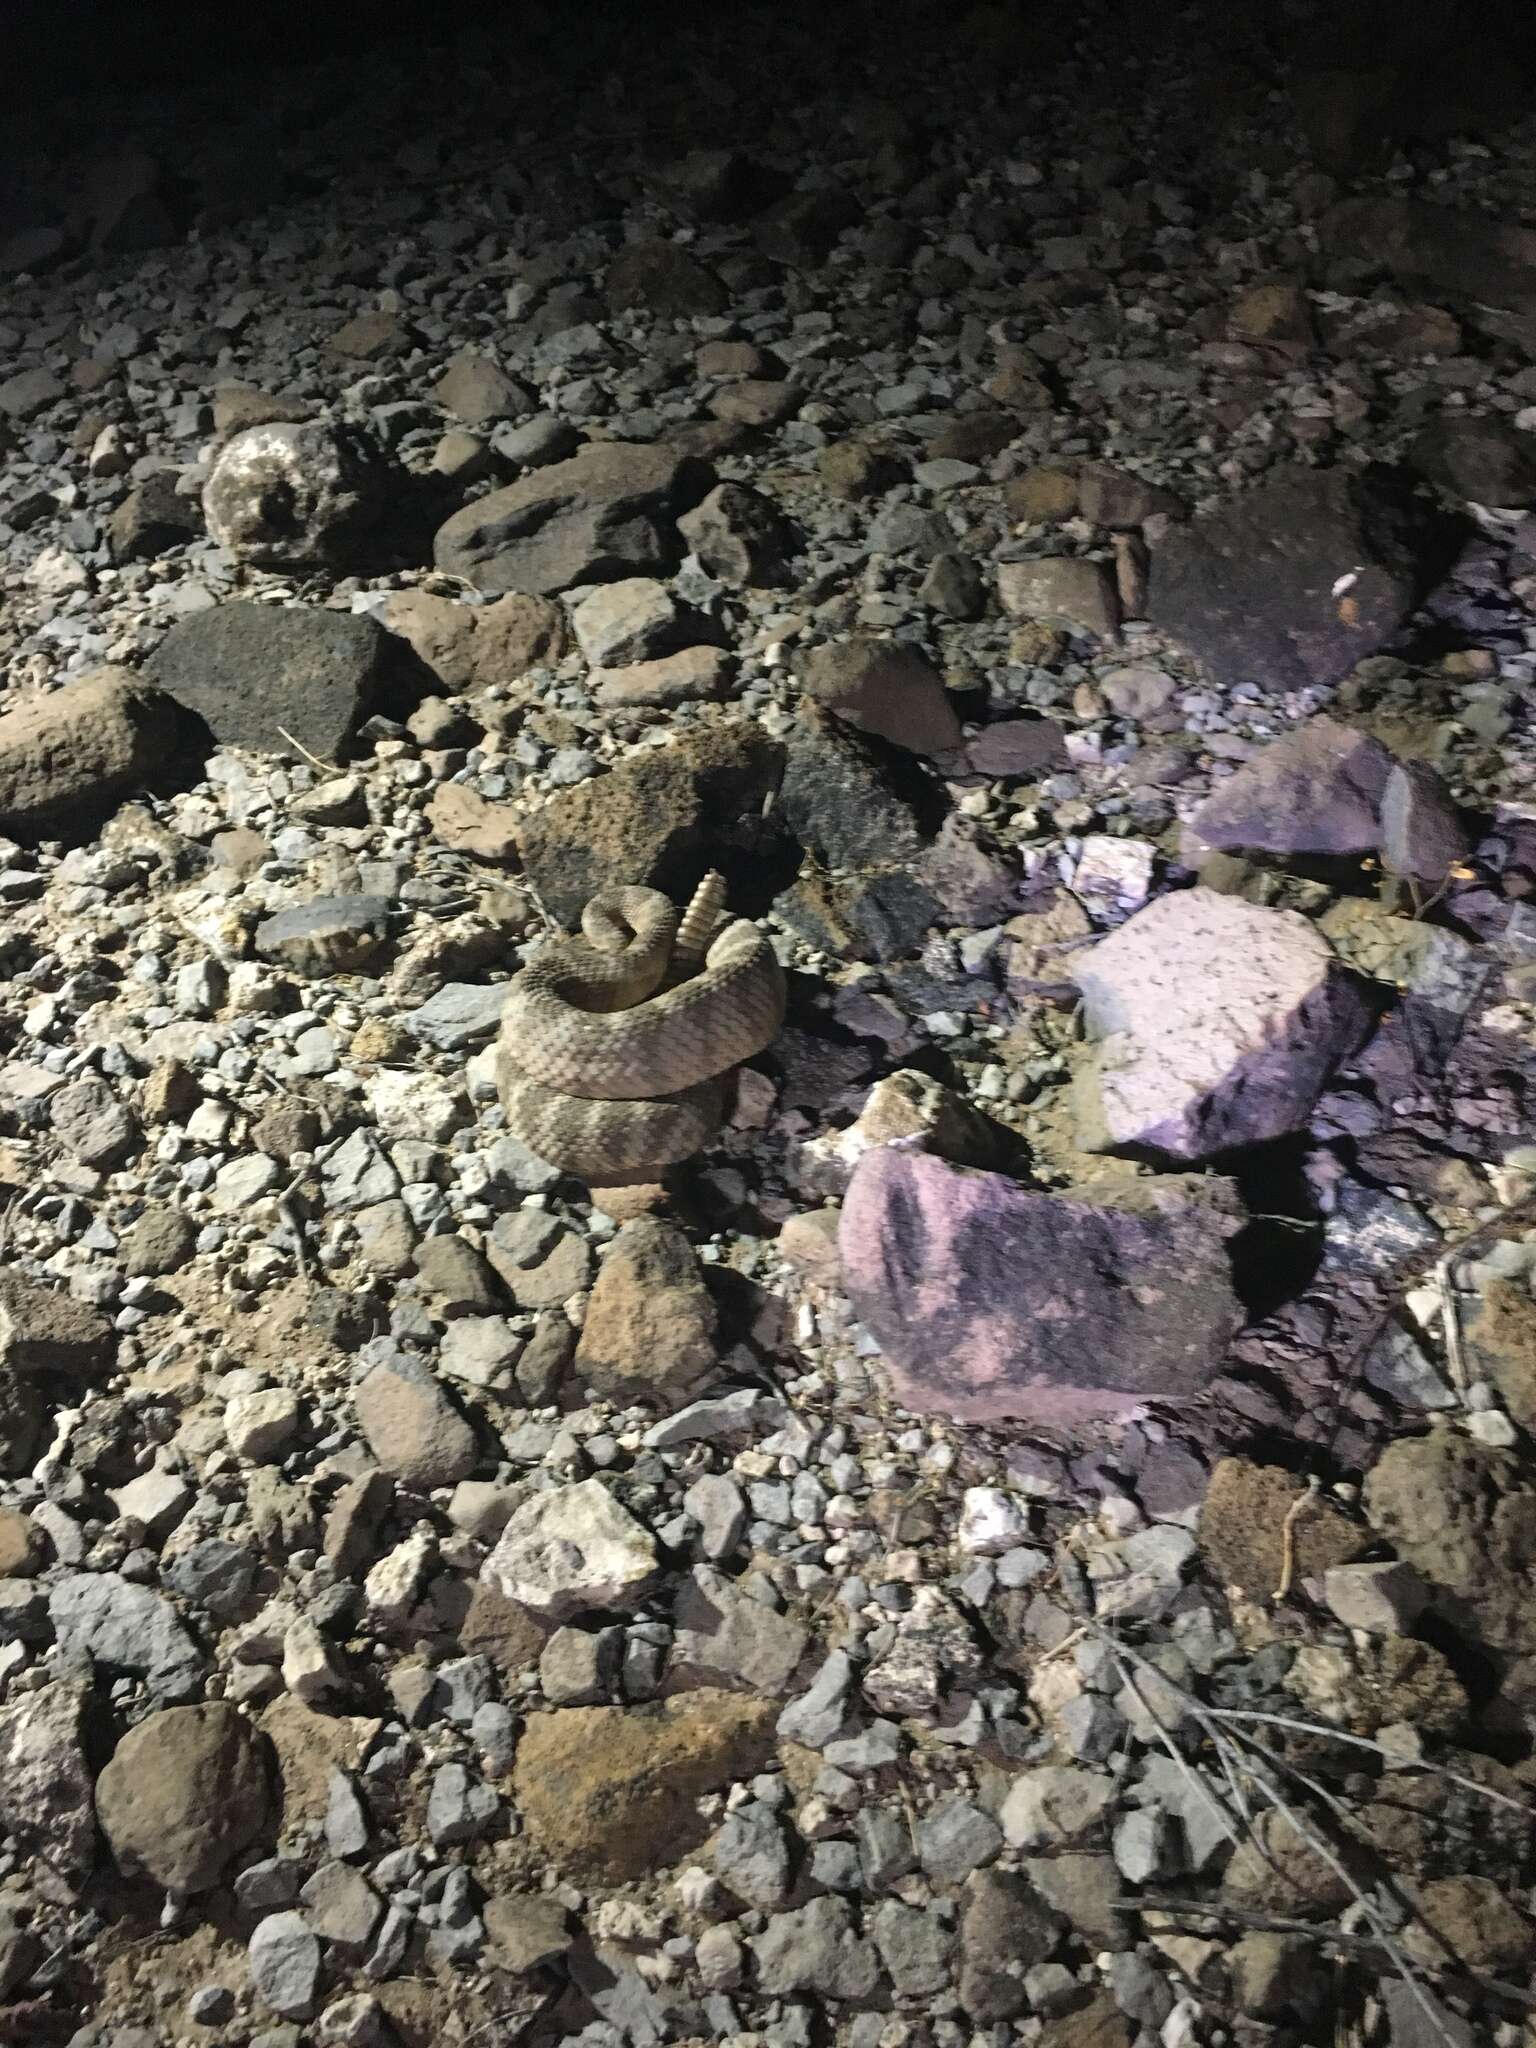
[(1484, 460), (1287, 586), (609, 511), (991, 1300), (247, 670), (1448, 251)]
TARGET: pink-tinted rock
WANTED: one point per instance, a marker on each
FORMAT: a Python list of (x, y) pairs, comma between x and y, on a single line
[(1026, 747), (992, 1301), (1317, 791), (886, 688), (1216, 1025)]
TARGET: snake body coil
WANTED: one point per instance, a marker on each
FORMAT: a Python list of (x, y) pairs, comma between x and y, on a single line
[(615, 1047)]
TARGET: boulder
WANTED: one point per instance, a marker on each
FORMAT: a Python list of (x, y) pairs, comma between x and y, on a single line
[(296, 493), (1213, 1024), (66, 757), (1318, 790), (184, 1793), (993, 1301)]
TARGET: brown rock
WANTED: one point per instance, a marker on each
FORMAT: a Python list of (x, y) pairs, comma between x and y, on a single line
[(186, 1791), (309, 1747), (470, 823), (66, 756), (1272, 313), (666, 278), (1278, 1871), (886, 688), (680, 678), (610, 1794), (1098, 2024), (504, 1630), (413, 1429), (479, 391), (22, 1545), (661, 817), (442, 633), (518, 633), (524, 1930), (1042, 496), (1475, 1923), (1242, 1528), (754, 403), (1504, 1344), (859, 469), (1061, 590), (649, 1330), (369, 337), (236, 406), (1114, 498), (45, 1330)]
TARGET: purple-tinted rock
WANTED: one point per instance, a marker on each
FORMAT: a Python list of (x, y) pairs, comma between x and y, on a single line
[(993, 1301), (1287, 586), (1217, 1023), (1317, 791), (1026, 747), (1421, 835)]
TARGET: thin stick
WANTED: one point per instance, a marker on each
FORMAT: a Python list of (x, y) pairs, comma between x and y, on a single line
[(325, 767), (1293, 1514)]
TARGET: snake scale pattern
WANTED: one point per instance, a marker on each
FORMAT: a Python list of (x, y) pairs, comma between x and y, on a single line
[(616, 1047)]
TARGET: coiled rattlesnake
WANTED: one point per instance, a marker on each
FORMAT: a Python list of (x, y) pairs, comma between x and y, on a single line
[(616, 1047)]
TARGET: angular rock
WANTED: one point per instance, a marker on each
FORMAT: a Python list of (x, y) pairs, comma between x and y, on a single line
[(1485, 461), (1005, 1928), (67, 756), (285, 1965), (1061, 590), (296, 493), (154, 518), (886, 688), (45, 1330), (661, 817), (127, 1628), (1214, 1024), (480, 392), (570, 1550), (1026, 748), (740, 536), (608, 512), (1421, 834), (610, 1794), (525, 1930), (680, 678), (1471, 257), (666, 278), (442, 633), (816, 1949), (991, 1300), (634, 619), (649, 1329), (723, 1638), (412, 1427), (515, 634), (184, 1793), (253, 672), (331, 935), (46, 1798), (1318, 790), (1287, 586)]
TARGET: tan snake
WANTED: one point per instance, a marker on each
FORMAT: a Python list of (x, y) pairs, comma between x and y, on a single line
[(616, 1047)]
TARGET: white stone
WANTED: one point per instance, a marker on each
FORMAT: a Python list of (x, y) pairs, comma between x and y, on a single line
[(262, 1425), (572, 1549), (991, 1521)]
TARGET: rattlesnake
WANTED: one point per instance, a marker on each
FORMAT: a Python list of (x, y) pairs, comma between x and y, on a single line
[(616, 1047)]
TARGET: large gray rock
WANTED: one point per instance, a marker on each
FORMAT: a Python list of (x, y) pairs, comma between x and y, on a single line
[(1215, 1024), (126, 1628), (993, 1301), (253, 672), (65, 757), (292, 493), (185, 1791), (1287, 586), (608, 512)]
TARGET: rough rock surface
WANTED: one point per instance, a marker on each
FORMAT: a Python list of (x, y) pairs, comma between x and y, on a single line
[(64, 758), (1317, 790), (185, 1791), (254, 672), (1214, 1023), (608, 512), (991, 1300), (290, 493), (609, 1795), (1287, 586)]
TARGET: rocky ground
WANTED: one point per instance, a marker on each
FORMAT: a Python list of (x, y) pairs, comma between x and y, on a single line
[(1029, 1540)]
